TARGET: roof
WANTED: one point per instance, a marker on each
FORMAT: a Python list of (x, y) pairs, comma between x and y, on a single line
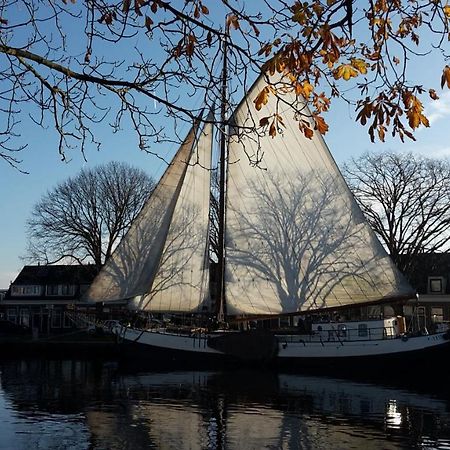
[(57, 274), (427, 265)]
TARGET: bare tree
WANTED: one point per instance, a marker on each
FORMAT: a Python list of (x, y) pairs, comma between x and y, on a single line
[(83, 218), (71, 64), (406, 200)]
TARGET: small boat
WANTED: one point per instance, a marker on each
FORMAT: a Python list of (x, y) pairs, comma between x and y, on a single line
[(292, 241)]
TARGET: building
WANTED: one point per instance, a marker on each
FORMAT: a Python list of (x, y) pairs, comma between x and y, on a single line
[(43, 297), (430, 276)]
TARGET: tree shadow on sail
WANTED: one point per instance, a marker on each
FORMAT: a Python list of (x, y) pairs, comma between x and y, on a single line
[(300, 245), (164, 276)]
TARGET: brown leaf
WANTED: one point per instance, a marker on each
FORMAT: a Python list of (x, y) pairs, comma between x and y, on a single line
[(148, 23), (262, 98), (320, 125), (126, 6), (445, 77), (273, 129), (433, 94), (232, 20), (307, 132), (264, 121)]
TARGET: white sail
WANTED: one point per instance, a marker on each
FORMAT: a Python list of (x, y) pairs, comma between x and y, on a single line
[(157, 253), (295, 238), (181, 283)]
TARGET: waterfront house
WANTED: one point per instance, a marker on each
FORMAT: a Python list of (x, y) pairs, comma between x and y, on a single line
[(43, 297), (430, 276)]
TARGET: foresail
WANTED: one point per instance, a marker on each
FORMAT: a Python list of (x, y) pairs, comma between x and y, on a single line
[(295, 238), (181, 283), (131, 270)]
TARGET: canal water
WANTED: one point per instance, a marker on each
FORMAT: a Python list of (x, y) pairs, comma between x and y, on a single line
[(74, 404)]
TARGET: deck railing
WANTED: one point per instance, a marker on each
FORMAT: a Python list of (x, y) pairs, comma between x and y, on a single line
[(342, 335)]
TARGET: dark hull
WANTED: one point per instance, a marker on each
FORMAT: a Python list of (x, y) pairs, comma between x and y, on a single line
[(238, 353), (414, 364)]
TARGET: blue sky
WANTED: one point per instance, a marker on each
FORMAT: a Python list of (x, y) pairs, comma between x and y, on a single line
[(19, 192)]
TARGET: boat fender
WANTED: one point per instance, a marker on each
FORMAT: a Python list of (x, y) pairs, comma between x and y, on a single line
[(284, 344), (404, 338)]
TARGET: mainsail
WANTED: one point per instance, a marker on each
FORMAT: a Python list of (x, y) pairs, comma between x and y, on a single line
[(162, 262), (295, 238)]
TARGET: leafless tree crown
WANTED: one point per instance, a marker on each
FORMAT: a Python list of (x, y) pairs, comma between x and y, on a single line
[(406, 200), (83, 218)]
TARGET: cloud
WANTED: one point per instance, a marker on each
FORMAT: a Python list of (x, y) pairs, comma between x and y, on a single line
[(438, 109), (441, 153)]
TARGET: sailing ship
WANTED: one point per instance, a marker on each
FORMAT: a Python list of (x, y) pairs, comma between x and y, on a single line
[(292, 242)]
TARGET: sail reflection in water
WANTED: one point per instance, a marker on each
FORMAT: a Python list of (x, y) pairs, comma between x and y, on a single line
[(80, 404)]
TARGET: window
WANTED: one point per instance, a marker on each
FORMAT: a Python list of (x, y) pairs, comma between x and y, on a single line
[(436, 285), (67, 289), (437, 315), (52, 289), (11, 315), (25, 290)]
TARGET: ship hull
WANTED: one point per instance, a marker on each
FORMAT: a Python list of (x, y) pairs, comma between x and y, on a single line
[(289, 352), (414, 356)]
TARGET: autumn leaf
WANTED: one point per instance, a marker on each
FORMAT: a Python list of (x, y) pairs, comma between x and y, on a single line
[(433, 94), (445, 77), (232, 20), (272, 129), (365, 112), (126, 6), (345, 71), (360, 65), (307, 88), (305, 129), (414, 111), (263, 97), (320, 125), (148, 23), (447, 11), (264, 121)]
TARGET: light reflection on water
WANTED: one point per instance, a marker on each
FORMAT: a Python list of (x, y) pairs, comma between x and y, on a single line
[(66, 404)]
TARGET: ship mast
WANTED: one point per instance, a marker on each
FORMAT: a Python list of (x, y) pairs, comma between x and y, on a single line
[(220, 302)]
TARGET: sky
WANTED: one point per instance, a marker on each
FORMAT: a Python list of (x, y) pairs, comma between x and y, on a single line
[(20, 191)]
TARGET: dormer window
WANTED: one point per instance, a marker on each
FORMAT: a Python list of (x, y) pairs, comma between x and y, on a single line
[(52, 289), (436, 285), (67, 289)]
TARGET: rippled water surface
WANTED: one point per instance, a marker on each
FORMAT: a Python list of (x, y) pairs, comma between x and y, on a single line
[(67, 404)]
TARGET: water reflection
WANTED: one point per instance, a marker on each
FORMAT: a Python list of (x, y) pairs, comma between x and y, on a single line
[(81, 404)]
